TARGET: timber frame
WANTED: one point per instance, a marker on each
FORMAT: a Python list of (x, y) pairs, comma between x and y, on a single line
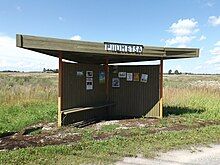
[(94, 53)]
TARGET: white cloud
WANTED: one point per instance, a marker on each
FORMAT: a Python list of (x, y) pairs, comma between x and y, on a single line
[(215, 51), (180, 40), (13, 58), (217, 43), (214, 20), (183, 32), (184, 27), (213, 60), (202, 37), (204, 3), (210, 3), (76, 37), (198, 67)]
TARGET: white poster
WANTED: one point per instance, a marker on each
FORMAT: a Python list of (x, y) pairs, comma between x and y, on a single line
[(79, 73), (144, 78), (115, 82), (129, 76), (122, 74), (89, 83), (89, 73)]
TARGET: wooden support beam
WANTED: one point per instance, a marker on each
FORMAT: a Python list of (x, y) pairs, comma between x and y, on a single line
[(161, 88), (60, 91), (107, 80)]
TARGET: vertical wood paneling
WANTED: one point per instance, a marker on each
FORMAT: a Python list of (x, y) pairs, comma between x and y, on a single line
[(133, 99), (75, 93), (136, 99)]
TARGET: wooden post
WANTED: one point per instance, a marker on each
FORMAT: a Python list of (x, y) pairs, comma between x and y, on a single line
[(161, 88), (107, 80), (60, 91)]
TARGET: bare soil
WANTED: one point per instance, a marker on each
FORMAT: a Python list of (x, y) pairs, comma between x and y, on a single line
[(49, 134)]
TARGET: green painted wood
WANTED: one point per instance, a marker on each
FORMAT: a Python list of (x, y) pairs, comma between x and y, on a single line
[(79, 109), (80, 50)]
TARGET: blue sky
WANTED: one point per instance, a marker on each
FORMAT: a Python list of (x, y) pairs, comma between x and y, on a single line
[(174, 23)]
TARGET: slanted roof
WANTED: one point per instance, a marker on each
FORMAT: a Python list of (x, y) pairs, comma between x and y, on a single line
[(94, 52)]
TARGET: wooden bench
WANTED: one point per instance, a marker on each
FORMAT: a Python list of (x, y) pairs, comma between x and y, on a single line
[(79, 109)]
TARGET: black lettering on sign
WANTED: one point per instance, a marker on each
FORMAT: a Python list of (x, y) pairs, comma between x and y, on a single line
[(123, 48)]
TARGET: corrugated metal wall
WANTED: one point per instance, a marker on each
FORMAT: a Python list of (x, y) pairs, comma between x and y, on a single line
[(135, 98)]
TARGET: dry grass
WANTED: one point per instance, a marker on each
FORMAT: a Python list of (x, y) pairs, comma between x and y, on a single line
[(18, 88), (30, 98)]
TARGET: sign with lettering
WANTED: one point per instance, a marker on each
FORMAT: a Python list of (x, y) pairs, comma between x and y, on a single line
[(123, 48)]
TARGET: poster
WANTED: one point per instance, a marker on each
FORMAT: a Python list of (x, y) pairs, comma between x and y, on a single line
[(115, 82), (144, 78), (122, 74), (101, 77), (89, 73), (89, 83), (136, 77), (129, 76), (79, 73)]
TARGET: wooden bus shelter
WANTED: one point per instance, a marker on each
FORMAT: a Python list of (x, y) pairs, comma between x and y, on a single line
[(90, 88)]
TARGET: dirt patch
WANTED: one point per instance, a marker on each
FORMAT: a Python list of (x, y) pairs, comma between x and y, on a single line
[(50, 135)]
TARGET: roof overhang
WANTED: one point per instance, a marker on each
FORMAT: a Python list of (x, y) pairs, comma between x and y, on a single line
[(94, 52)]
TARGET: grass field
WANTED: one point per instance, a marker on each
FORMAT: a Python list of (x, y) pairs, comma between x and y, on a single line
[(191, 109)]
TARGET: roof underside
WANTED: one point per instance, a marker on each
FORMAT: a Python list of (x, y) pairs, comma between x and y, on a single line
[(93, 52)]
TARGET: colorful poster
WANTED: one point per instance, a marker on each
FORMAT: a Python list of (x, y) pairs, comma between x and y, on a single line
[(129, 76), (144, 78), (89, 73), (136, 77), (101, 77), (115, 82), (122, 74), (89, 83)]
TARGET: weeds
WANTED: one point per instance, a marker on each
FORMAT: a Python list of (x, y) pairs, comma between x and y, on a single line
[(27, 99)]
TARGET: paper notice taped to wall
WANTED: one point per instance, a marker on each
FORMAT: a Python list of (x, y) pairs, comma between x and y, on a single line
[(129, 76), (89, 83), (144, 78)]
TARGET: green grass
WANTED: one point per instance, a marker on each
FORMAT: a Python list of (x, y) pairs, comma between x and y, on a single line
[(27, 99), (16, 117), (113, 149)]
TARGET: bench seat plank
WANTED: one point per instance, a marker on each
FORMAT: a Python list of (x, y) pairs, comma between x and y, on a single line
[(79, 109)]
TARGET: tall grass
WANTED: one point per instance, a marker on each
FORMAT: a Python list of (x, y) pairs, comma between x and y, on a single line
[(26, 99), (18, 89), (197, 97)]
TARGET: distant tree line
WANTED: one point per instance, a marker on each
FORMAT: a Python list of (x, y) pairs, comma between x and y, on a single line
[(50, 70), (10, 71), (175, 72)]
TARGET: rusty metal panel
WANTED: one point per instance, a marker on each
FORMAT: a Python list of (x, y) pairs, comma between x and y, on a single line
[(135, 98)]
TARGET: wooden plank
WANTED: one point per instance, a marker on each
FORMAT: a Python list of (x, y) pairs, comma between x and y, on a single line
[(18, 40), (161, 88), (79, 109), (60, 91), (43, 43), (107, 80)]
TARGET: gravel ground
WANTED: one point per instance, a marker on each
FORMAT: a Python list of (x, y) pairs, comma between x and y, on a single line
[(201, 156)]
